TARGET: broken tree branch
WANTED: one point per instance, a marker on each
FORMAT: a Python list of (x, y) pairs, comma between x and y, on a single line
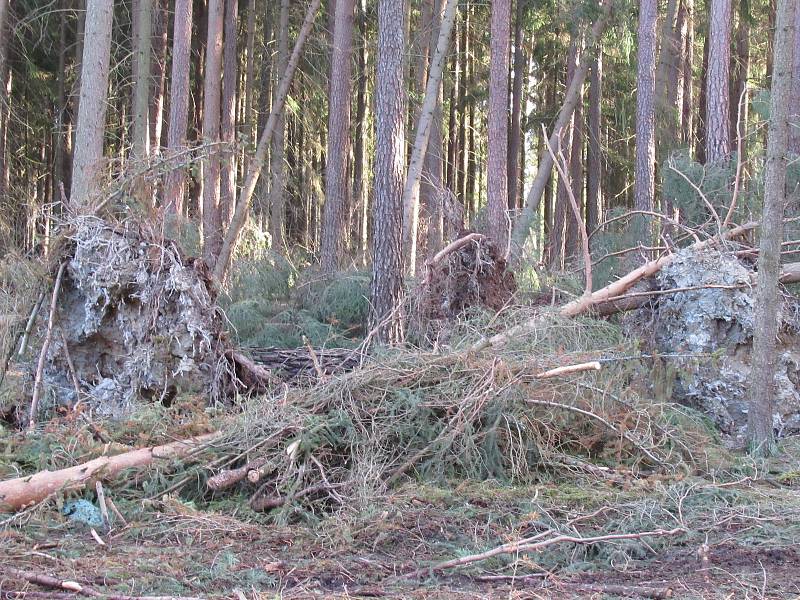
[(37, 383), (527, 545), (22, 492)]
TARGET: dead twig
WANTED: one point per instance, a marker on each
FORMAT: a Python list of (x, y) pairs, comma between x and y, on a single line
[(566, 370), (37, 384), (528, 545)]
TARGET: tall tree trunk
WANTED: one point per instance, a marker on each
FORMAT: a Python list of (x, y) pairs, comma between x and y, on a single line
[(571, 240), (526, 219), (688, 117), (515, 135), (141, 94), (4, 100), (277, 158), (159, 68), (702, 118), (336, 183), (422, 136), (264, 107), (718, 144), (762, 380), (432, 183), (644, 176), (175, 183), (195, 135), (741, 68), (497, 159), (666, 93), (249, 119), (561, 211), (87, 164), (359, 155), (212, 224), (59, 176), (230, 84), (594, 161), (387, 259), (794, 116)]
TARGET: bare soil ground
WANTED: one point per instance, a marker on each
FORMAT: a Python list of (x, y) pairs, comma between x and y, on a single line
[(170, 547)]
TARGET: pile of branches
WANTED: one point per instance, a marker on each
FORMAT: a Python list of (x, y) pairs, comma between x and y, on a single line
[(505, 416)]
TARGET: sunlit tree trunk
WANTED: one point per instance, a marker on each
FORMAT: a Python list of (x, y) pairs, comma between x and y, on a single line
[(497, 158), (336, 181), (230, 84), (741, 69), (764, 357), (644, 175), (718, 145), (159, 73), (278, 156), (794, 116), (175, 183), (141, 94), (515, 140), (360, 193), (432, 183), (594, 160), (688, 108), (387, 260), (87, 164), (212, 225)]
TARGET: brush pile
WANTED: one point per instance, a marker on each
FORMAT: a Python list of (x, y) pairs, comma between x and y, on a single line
[(441, 416)]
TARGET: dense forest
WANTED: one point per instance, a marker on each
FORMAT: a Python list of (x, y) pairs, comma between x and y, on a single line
[(332, 270)]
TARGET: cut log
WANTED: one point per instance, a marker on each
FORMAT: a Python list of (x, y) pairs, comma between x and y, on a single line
[(22, 492)]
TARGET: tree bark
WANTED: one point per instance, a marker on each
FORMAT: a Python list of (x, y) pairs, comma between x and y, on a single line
[(523, 225), (422, 136), (212, 225), (387, 259), (159, 74), (4, 41), (741, 69), (432, 184), (644, 175), (594, 162), (230, 84), (278, 156), (515, 140), (497, 123), (718, 145), (87, 164), (764, 357), (141, 96), (666, 92), (338, 154), (688, 117), (175, 183), (794, 116), (360, 193)]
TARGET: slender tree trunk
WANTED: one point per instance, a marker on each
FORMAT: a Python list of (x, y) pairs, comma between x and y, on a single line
[(264, 108), (5, 96), (336, 181), (249, 120), (764, 357), (688, 119), (794, 116), (741, 69), (141, 94), (59, 176), (718, 144), (230, 83), (422, 136), (387, 259), (571, 240), (666, 92), (175, 183), (702, 120), (523, 225), (594, 162), (561, 212), (278, 166), (515, 135), (497, 160), (644, 176), (432, 183), (212, 224), (359, 155), (195, 135), (159, 68), (87, 164)]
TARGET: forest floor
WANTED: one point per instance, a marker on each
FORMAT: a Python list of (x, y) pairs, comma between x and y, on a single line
[(741, 541)]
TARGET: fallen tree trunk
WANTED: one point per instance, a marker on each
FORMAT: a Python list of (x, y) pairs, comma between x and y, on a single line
[(615, 291), (22, 492)]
